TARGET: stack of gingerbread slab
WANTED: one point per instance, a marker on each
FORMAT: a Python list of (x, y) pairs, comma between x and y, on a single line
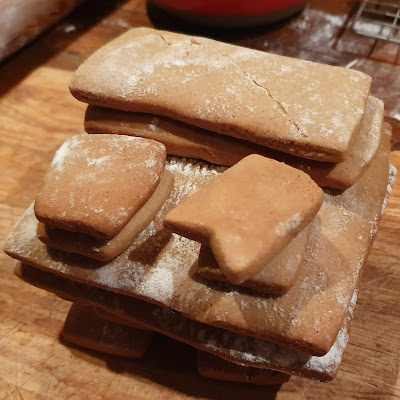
[(180, 90), (220, 103), (85, 206)]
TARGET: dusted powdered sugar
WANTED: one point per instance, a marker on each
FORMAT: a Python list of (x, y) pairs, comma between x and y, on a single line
[(368, 139), (253, 352), (18, 241), (65, 151), (193, 168), (160, 284), (291, 224), (98, 161), (392, 180), (330, 362)]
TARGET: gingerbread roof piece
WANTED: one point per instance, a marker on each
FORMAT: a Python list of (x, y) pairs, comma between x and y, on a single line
[(97, 183), (295, 106), (248, 214)]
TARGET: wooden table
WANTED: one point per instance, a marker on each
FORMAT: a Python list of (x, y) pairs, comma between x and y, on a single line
[(37, 114)]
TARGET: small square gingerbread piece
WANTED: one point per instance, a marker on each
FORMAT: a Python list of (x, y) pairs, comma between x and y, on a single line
[(107, 249), (97, 183), (248, 214), (87, 328)]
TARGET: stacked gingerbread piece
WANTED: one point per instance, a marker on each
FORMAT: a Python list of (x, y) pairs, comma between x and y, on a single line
[(254, 264)]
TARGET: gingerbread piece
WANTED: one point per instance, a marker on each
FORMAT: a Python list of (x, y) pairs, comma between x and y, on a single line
[(230, 346), (276, 278), (248, 214), (190, 141), (86, 328), (295, 106), (112, 317), (86, 190), (90, 327), (213, 367), (158, 266), (107, 249), (179, 138), (363, 148)]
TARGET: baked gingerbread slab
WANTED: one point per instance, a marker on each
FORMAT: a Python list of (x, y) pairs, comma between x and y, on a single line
[(158, 266), (230, 346), (88, 327), (214, 367), (295, 106)]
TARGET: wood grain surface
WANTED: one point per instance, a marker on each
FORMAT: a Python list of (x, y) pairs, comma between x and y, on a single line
[(37, 114)]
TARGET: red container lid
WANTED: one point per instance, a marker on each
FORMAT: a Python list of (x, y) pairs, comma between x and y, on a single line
[(230, 7)]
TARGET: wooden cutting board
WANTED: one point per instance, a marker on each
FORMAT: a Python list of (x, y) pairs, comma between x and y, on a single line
[(37, 114), (35, 118)]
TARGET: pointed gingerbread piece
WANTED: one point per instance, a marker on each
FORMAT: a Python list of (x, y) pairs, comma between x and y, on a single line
[(97, 183), (248, 214)]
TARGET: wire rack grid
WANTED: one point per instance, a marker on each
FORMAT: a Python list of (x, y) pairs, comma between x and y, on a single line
[(379, 20)]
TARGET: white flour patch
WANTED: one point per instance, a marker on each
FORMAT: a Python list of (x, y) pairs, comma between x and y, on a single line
[(292, 223)]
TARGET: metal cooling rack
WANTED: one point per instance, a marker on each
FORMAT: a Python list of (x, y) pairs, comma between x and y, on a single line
[(379, 20)]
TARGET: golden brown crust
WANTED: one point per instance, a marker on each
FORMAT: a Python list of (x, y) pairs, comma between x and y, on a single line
[(157, 268), (227, 345)]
